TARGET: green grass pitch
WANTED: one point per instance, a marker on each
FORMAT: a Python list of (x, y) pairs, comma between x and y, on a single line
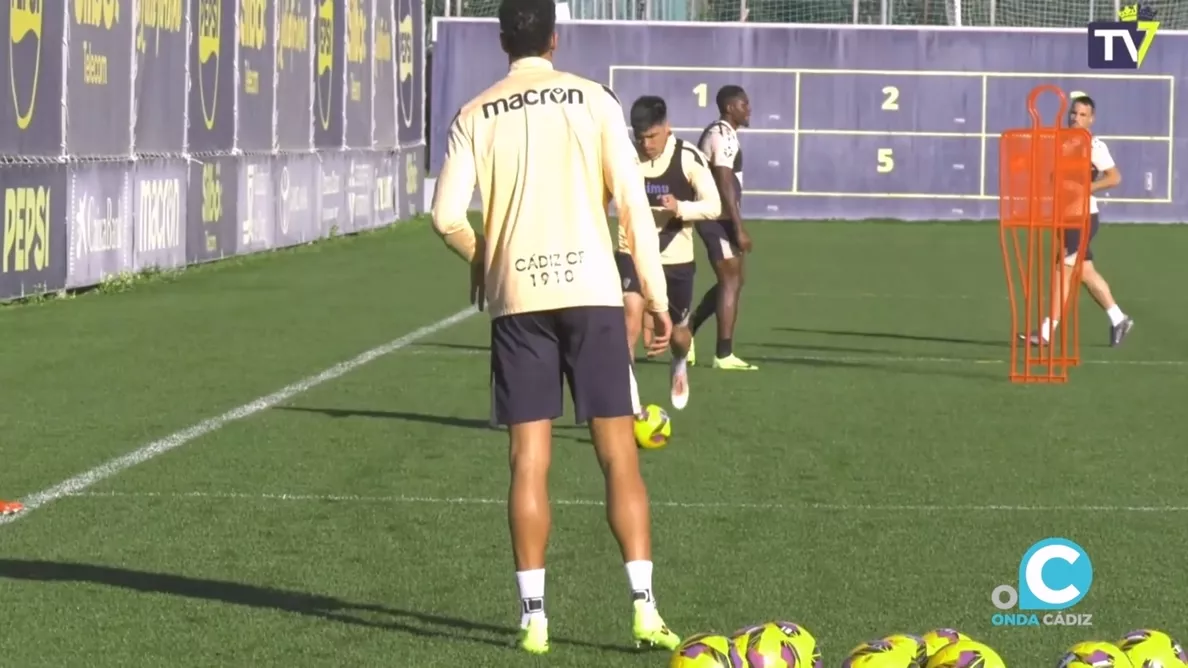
[(878, 474)]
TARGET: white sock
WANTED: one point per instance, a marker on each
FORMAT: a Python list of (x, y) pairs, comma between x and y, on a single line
[(1047, 328), (635, 405), (532, 586), (639, 578), (1116, 315)]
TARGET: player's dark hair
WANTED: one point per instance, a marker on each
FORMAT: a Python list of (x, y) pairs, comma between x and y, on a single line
[(728, 94), (647, 112), (526, 26), (1072, 107)]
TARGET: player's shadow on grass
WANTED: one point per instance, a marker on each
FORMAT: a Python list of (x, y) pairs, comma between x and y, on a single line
[(924, 369), (425, 418), (998, 343), (411, 622), (829, 349)]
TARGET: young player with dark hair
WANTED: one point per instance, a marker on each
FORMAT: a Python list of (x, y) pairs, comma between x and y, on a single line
[(682, 192), (1105, 175), (548, 150), (10, 508), (725, 240)]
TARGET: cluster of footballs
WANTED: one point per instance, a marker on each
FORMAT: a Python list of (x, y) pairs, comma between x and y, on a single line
[(790, 645)]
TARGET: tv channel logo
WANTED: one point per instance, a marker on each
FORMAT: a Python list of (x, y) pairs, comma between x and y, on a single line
[(1123, 44), (1054, 575)]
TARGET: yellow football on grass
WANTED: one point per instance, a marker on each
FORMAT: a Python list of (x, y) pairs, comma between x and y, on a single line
[(653, 428), (702, 651), (1148, 648), (1094, 654), (966, 654), (936, 639)]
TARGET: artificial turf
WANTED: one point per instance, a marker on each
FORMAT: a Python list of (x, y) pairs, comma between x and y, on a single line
[(877, 474)]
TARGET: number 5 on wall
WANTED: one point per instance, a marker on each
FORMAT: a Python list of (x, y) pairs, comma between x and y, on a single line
[(886, 161)]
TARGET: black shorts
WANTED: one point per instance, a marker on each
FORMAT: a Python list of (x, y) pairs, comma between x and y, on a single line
[(1072, 240), (679, 280), (720, 238), (533, 354)]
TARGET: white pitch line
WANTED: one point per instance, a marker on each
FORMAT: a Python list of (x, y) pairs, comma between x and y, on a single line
[(429, 350), (115, 466), (910, 297), (690, 505)]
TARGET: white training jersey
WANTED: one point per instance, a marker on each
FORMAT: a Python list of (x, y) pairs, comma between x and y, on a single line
[(719, 142), (1102, 160)]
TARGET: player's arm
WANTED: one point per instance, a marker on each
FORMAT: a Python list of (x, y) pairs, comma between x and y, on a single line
[(707, 203), (455, 188), (1108, 173), (721, 156), (625, 183)]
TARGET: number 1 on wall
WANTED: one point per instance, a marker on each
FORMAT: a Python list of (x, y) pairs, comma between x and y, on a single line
[(701, 90)]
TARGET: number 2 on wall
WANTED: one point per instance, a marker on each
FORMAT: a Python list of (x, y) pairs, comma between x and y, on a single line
[(886, 161), (891, 101), (700, 90)]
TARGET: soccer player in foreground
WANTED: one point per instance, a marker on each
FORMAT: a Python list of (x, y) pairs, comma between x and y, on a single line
[(681, 191), (10, 507), (1105, 175), (548, 150), (725, 240)]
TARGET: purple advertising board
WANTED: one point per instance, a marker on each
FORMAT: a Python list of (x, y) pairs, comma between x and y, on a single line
[(36, 211), (99, 234), (212, 199), (410, 181), (293, 193), (31, 66), (331, 194), (858, 122), (255, 206), (160, 192)]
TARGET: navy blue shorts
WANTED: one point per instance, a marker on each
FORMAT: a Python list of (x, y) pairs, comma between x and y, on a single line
[(1072, 240), (678, 278), (534, 354), (720, 238)]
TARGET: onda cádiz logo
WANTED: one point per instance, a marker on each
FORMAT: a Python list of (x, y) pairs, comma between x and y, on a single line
[(1054, 575), (25, 20)]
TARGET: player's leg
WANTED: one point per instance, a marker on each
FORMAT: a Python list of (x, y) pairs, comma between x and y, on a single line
[(1099, 289), (633, 313), (10, 507), (722, 299), (527, 395), (1061, 288), (680, 302), (599, 377)]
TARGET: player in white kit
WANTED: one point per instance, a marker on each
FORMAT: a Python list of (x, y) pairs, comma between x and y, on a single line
[(1105, 175)]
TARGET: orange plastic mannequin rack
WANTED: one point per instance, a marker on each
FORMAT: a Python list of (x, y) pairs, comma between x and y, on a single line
[(1044, 180)]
